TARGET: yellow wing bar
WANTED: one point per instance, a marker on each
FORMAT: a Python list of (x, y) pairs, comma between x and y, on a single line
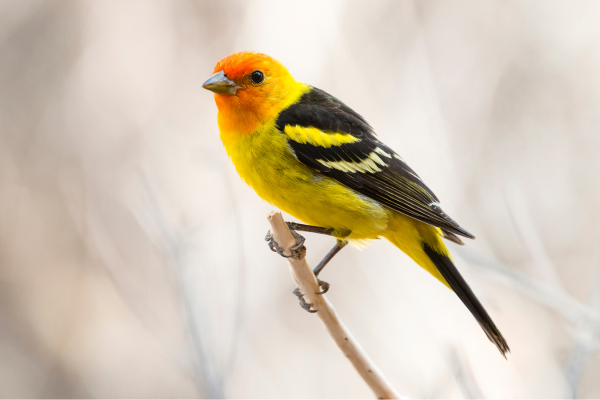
[(317, 137)]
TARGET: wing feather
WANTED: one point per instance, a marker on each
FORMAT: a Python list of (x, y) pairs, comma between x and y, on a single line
[(350, 153)]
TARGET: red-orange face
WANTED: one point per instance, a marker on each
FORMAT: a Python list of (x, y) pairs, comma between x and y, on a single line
[(250, 89), (239, 68)]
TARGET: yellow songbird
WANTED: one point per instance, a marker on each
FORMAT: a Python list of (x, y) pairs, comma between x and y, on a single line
[(315, 158)]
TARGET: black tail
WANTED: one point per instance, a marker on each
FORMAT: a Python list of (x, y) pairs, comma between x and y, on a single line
[(464, 292)]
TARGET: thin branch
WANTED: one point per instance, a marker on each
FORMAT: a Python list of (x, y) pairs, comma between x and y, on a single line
[(306, 281)]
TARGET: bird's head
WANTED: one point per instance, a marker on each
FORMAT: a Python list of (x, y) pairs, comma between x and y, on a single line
[(251, 89)]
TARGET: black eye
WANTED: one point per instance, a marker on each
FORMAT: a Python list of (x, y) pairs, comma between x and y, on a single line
[(257, 77)]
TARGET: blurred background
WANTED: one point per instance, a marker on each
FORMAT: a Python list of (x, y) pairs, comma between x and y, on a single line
[(132, 259)]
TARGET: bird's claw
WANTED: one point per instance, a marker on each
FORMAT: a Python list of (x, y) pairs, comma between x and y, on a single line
[(324, 286), (299, 241), (297, 252), (303, 302), (274, 246)]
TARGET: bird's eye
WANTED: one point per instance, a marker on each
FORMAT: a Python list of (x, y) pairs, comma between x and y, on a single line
[(257, 77)]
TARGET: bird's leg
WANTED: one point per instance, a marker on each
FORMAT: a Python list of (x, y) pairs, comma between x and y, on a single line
[(309, 228), (339, 245)]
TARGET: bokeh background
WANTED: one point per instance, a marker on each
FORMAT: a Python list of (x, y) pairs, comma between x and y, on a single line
[(132, 259)]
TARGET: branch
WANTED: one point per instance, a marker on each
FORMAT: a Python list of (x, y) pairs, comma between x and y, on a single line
[(307, 282)]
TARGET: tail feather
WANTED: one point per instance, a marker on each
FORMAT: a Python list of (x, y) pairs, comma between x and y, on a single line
[(423, 243), (448, 270), (452, 237)]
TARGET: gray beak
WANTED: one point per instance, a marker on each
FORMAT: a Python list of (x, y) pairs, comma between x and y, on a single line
[(219, 84)]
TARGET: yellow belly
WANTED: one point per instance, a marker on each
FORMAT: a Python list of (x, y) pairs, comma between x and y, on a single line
[(266, 163)]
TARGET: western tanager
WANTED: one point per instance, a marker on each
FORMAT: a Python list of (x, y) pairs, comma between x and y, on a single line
[(315, 158)]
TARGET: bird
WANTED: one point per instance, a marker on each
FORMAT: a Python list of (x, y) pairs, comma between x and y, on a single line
[(312, 156)]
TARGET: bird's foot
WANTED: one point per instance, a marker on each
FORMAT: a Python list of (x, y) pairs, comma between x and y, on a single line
[(297, 252), (324, 286), (303, 302)]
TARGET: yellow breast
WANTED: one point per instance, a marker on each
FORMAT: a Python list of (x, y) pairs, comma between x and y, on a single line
[(265, 161)]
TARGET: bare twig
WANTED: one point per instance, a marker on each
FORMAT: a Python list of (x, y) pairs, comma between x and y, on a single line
[(306, 281)]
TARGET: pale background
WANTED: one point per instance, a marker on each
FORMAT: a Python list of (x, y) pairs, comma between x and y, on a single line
[(132, 260)]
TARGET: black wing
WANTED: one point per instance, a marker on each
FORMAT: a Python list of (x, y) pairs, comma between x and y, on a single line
[(330, 137)]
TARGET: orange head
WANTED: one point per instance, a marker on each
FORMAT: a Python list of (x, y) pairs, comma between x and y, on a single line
[(250, 90)]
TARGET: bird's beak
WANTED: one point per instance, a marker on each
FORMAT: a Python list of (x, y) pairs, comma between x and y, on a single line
[(219, 84)]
